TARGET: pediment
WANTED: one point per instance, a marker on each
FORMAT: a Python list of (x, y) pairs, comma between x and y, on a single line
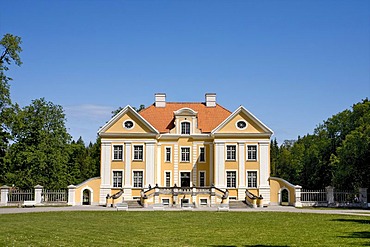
[(185, 112)]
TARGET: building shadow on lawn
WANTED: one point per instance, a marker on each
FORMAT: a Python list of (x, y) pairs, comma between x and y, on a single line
[(252, 245), (363, 234), (352, 220)]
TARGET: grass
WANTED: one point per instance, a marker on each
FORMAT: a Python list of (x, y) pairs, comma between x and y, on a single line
[(89, 228)]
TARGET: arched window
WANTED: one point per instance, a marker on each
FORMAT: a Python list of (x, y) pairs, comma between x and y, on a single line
[(185, 128)]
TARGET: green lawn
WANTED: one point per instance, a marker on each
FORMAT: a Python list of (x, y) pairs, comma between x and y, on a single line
[(183, 229)]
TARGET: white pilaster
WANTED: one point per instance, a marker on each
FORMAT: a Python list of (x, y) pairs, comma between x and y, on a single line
[(264, 187), (194, 180), (106, 164), (220, 165), (149, 164), (176, 164), (241, 160), (159, 165), (128, 165), (211, 164), (71, 195)]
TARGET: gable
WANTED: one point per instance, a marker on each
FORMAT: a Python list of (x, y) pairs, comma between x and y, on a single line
[(117, 125)]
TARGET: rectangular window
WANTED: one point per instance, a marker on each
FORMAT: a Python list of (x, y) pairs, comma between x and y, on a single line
[(185, 154), (203, 201), (185, 128), (138, 179), (252, 152), (117, 179), (231, 179), (231, 152), (252, 179), (168, 154), (202, 154), (166, 202), (168, 179), (117, 152), (202, 179), (138, 152)]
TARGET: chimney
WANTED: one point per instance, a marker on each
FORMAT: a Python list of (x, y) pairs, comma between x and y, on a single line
[(160, 100), (210, 99)]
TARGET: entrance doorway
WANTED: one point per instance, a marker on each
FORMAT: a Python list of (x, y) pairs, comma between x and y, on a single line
[(285, 197), (185, 179), (86, 197)]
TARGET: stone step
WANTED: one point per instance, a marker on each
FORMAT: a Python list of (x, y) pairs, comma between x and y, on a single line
[(237, 204), (133, 204)]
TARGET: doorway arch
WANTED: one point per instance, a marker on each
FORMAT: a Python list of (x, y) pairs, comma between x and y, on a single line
[(284, 197), (86, 197)]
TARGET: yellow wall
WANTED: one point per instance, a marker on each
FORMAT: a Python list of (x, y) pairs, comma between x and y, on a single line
[(93, 184), (117, 127), (276, 186)]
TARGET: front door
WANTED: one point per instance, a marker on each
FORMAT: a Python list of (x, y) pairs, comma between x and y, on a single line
[(86, 197), (185, 179)]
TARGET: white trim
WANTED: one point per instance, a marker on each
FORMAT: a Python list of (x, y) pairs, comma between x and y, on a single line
[(205, 177), (123, 177), (124, 124), (185, 111), (257, 178), (266, 129), (205, 154), (165, 154), (236, 178), (236, 151), (279, 195), (190, 158), (190, 176), (106, 160), (190, 127), (91, 195), (133, 152), (143, 181), (257, 153), (164, 178), (241, 120)]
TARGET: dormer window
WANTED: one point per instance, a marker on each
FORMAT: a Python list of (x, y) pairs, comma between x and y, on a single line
[(185, 128)]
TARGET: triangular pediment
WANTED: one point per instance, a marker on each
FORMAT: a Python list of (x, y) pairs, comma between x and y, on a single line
[(241, 121), (127, 121)]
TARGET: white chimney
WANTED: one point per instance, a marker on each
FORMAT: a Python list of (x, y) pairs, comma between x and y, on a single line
[(160, 100), (210, 99)]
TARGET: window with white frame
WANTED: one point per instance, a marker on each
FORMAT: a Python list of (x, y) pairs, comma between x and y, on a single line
[(202, 154), (168, 179), (117, 179), (166, 201), (168, 154), (231, 152), (185, 128), (185, 154), (138, 179), (202, 178), (252, 179), (252, 152), (138, 152), (203, 201), (117, 152), (231, 179)]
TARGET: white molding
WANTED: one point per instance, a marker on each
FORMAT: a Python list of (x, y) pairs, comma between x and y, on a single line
[(144, 178), (236, 151), (257, 153), (190, 128), (123, 177), (149, 164), (237, 127), (128, 146), (164, 178), (241, 163), (123, 151), (219, 164), (165, 154), (91, 194), (279, 195), (158, 164), (106, 163), (264, 164), (236, 178), (205, 154), (133, 152), (133, 124), (205, 177), (190, 154)]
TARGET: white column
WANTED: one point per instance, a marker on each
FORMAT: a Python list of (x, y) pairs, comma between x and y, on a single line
[(159, 165), (264, 187), (105, 171), (241, 160), (176, 164), (149, 164), (211, 164), (38, 192), (4, 194), (220, 165), (194, 179), (72, 195), (128, 164)]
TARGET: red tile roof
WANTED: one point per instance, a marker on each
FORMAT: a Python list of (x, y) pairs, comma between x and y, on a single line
[(162, 118)]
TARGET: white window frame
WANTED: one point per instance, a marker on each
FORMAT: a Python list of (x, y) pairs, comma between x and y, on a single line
[(241, 120), (246, 175), (123, 177), (236, 178), (205, 177), (252, 145), (183, 122), (133, 124), (202, 203), (236, 152), (166, 204), (116, 145), (165, 178), (185, 161), (133, 181), (205, 159), (133, 152), (165, 154)]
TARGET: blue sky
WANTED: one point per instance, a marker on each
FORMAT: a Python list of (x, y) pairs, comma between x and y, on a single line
[(291, 63)]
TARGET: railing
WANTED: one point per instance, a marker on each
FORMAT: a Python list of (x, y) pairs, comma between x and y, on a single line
[(183, 191), (346, 196), (313, 195), (55, 195), (18, 195)]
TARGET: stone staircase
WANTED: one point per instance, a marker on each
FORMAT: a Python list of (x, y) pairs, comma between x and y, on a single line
[(238, 204), (133, 204)]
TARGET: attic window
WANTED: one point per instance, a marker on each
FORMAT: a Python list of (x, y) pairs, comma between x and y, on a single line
[(185, 128), (128, 124), (241, 124)]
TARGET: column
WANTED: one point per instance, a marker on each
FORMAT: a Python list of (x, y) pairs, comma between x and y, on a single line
[(149, 164), (297, 192), (128, 172), (211, 165), (38, 192), (105, 171), (159, 165), (363, 197), (4, 194), (242, 173), (330, 195), (264, 187), (220, 165), (195, 169), (176, 164), (72, 195)]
